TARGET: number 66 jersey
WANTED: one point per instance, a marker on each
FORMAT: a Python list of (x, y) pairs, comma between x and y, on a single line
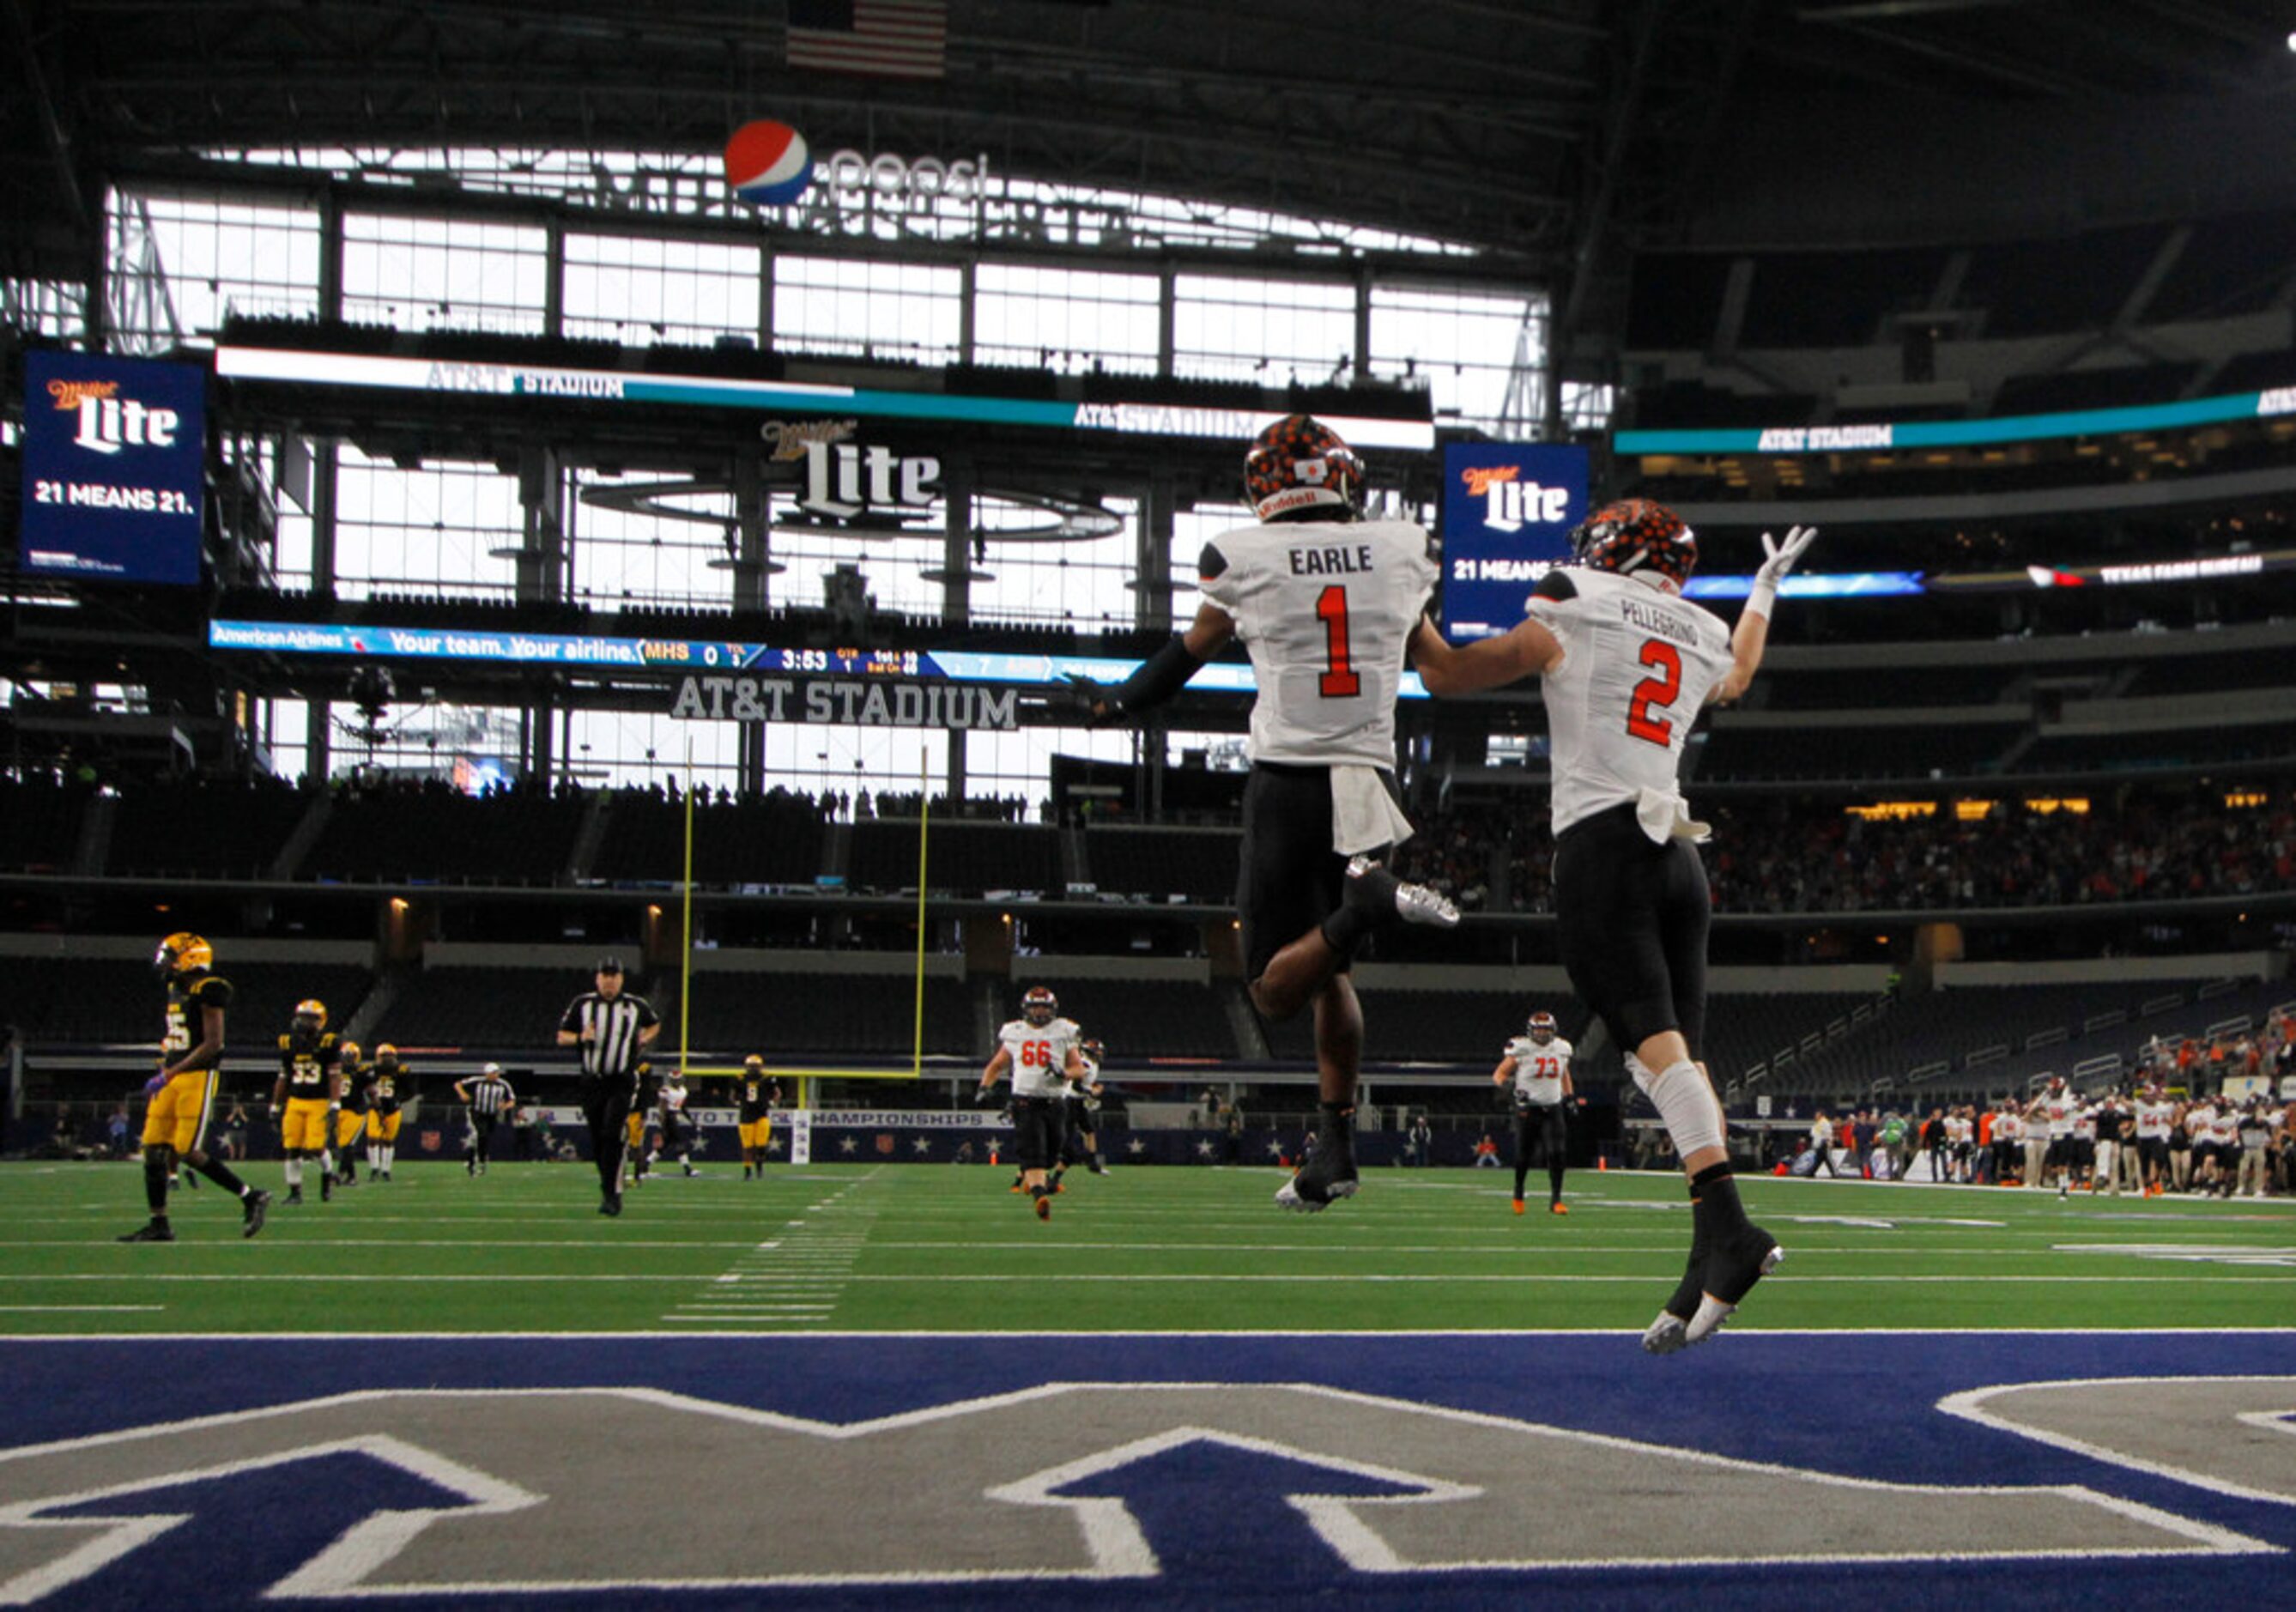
[(1039, 1053), (1638, 665)]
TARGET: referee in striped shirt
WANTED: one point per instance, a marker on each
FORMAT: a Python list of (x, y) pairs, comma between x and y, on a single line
[(614, 1029), (488, 1095)]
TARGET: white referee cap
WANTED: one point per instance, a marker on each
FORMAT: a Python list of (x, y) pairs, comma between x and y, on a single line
[(490, 1069)]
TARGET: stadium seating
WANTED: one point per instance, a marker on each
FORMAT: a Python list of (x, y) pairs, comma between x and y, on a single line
[(212, 830), (962, 858), (435, 834), (115, 1001), (770, 839), (1198, 864), (40, 822)]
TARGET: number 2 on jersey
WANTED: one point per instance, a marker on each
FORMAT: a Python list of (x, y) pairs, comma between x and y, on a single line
[(1340, 680), (1655, 692)]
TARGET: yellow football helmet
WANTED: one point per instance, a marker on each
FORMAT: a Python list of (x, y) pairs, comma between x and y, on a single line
[(183, 952), (311, 1007)]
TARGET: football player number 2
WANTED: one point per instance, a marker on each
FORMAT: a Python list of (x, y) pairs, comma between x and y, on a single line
[(1339, 681), (1660, 689)]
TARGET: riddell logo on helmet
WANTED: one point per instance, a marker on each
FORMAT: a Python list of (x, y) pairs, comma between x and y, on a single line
[(1296, 498)]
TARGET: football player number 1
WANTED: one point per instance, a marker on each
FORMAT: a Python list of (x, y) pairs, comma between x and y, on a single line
[(1655, 692), (1339, 681)]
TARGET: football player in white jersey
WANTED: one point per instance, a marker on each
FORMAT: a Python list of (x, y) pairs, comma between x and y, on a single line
[(2155, 1111), (1326, 602), (1537, 1067), (1038, 1050), (1627, 665), (1079, 1137)]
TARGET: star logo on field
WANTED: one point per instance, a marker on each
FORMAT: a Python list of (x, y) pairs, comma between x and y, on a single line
[(846, 1144), (924, 1145), (1135, 1146), (1275, 1149), (1204, 1150)]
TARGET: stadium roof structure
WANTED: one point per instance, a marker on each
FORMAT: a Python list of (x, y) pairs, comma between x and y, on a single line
[(1554, 135)]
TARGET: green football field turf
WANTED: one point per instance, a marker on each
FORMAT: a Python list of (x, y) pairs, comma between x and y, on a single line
[(940, 1247)]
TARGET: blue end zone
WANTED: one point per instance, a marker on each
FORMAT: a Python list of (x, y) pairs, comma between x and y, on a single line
[(1855, 1405)]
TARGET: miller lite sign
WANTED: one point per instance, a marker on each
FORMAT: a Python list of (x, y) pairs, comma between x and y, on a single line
[(1508, 509), (114, 465), (844, 479)]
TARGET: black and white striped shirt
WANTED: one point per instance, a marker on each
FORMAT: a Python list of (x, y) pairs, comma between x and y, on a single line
[(490, 1094), (612, 1051)]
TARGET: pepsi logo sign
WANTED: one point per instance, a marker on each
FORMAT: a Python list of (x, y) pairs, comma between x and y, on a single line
[(767, 164)]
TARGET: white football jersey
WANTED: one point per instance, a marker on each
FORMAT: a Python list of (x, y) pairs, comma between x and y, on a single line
[(1538, 1070), (1637, 666), (1326, 609), (2224, 1127), (2153, 1120), (2008, 1126), (1039, 1052), (1957, 1130), (2059, 1108), (1091, 1074)]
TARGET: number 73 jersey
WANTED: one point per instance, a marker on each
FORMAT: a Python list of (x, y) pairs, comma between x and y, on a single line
[(1638, 665), (1326, 609)]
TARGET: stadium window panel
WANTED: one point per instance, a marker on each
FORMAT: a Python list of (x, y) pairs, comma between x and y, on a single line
[(200, 259), (1021, 762), (439, 273), (1192, 529), (284, 729), (1274, 331), (619, 555), (639, 749), (1086, 583), (1465, 345), (411, 530), (469, 746), (908, 312), (892, 569), (626, 289), (1070, 321), (819, 758), (55, 310)]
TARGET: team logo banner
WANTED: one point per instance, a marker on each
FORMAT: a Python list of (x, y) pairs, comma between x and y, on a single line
[(112, 467), (1508, 509)]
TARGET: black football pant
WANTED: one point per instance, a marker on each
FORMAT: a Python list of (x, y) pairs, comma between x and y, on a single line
[(482, 1136), (606, 1110)]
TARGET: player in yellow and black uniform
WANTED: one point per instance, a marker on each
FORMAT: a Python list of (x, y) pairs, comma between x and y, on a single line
[(389, 1088), (183, 1092), (349, 1122), (649, 1094), (757, 1092), (308, 1094)]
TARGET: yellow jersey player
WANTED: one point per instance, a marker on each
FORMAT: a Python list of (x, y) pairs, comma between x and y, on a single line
[(183, 1092), (649, 1093), (757, 1093), (349, 1122), (308, 1094), (389, 1089)]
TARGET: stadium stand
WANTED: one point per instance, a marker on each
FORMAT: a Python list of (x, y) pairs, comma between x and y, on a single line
[(965, 858), (432, 832), (40, 822), (211, 829), (1158, 863), (774, 838), (111, 1001)]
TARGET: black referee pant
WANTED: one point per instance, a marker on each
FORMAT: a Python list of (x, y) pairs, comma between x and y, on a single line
[(482, 1136), (606, 1110)]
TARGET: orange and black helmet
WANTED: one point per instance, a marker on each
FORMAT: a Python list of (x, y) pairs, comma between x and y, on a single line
[(1635, 537), (183, 952), (1299, 467)]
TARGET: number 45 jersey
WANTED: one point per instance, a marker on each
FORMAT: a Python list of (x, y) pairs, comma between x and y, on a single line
[(1638, 665), (1325, 608)]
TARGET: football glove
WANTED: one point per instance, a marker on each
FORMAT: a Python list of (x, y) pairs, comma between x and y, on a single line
[(1090, 704), (151, 1087), (982, 1095), (1778, 558)]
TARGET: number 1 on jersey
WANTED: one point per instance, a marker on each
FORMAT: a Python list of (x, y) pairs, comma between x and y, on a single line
[(1661, 690), (1339, 681)]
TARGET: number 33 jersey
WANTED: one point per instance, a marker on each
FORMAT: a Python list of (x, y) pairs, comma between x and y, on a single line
[(1638, 665), (1326, 609), (1039, 1052)]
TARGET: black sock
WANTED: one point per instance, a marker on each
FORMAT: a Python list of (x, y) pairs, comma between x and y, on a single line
[(156, 1171), (1714, 1203), (1521, 1174), (1553, 1184), (1339, 1123), (220, 1173)]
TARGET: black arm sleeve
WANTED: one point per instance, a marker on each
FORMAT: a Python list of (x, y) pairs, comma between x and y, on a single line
[(1157, 678)]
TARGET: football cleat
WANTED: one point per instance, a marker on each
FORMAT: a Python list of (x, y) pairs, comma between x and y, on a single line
[(1664, 1335), (1043, 1206), (1381, 894), (1097, 1164), (1517, 1207), (294, 1195), (1558, 1208), (326, 1186), (1730, 1276), (151, 1232), (252, 1209), (609, 1205), (1321, 1180)]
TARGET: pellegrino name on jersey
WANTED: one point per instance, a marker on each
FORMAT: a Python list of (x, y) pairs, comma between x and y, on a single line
[(1324, 562), (1665, 623)]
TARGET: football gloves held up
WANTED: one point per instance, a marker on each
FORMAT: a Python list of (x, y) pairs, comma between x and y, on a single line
[(1778, 559)]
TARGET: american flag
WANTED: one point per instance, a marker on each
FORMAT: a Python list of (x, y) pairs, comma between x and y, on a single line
[(880, 39)]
